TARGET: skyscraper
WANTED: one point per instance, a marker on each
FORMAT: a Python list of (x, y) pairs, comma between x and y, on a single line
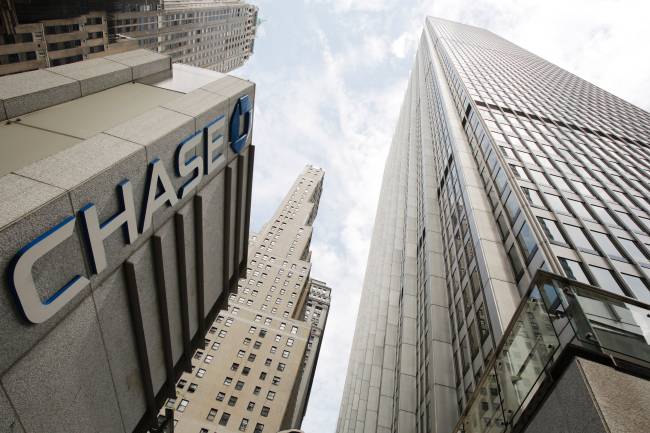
[(258, 362), (507, 283)]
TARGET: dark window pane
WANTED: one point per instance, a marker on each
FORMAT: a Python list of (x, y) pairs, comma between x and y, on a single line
[(552, 231), (526, 242), (573, 270)]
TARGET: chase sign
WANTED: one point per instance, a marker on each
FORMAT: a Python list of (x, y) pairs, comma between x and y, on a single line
[(159, 192)]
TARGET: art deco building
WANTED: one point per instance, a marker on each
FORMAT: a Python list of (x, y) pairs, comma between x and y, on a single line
[(507, 284), (214, 34), (255, 370)]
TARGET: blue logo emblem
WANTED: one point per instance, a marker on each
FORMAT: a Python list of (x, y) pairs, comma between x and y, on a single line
[(243, 108)]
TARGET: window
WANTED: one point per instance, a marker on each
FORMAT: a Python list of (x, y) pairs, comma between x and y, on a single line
[(265, 411), (556, 204), (212, 415), (581, 210), (259, 428), (276, 380), (208, 359), (552, 231), (252, 330), (257, 390), (263, 375), (251, 357), (519, 172), (221, 396), (251, 406), (512, 207), (579, 238), (294, 329), (633, 250), (273, 349), (257, 345), (533, 198), (270, 395), (527, 242), (604, 215), (245, 371), (573, 270), (215, 345), (234, 366), (629, 222), (224, 418), (241, 353), (192, 387), (289, 342), (247, 341), (239, 385), (539, 178), (182, 405), (200, 372), (606, 281), (267, 362), (232, 400), (262, 333), (606, 244), (243, 424), (181, 383), (285, 353), (223, 333), (639, 287), (227, 381), (515, 261), (203, 430)]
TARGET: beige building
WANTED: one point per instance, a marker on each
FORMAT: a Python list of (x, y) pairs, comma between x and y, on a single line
[(255, 371), (25, 47)]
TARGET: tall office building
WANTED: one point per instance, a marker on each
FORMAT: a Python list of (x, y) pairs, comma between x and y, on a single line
[(258, 362), (215, 34), (507, 284)]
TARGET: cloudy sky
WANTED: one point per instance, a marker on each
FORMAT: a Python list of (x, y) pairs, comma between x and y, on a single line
[(330, 78)]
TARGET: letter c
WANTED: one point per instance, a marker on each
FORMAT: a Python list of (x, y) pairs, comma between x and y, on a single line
[(34, 309)]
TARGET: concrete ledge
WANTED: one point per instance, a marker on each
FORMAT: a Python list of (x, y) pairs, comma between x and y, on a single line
[(95, 75), (34, 90), (142, 62)]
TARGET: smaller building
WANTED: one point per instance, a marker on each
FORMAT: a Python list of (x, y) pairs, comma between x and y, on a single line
[(25, 47)]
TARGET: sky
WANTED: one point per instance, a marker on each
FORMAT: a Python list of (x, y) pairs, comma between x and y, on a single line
[(330, 77)]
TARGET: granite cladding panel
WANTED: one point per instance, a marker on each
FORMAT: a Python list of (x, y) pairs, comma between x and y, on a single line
[(212, 222), (167, 235), (232, 266), (51, 272), (112, 303), (9, 422), (71, 365), (34, 90), (148, 296), (189, 249), (95, 75)]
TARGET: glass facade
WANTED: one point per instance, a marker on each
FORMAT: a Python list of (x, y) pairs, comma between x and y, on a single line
[(502, 164)]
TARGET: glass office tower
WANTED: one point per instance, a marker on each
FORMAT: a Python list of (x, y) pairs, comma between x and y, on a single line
[(507, 283)]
